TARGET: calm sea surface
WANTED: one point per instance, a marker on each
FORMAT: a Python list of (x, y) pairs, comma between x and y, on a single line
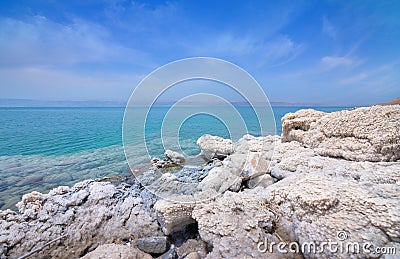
[(41, 148)]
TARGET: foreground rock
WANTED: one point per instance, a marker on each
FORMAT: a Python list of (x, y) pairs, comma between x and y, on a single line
[(363, 134), (174, 215), (87, 215), (153, 245), (114, 251)]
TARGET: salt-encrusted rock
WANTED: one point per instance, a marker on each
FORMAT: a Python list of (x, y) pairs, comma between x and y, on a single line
[(262, 181), (153, 245), (249, 143), (214, 147), (293, 159), (254, 166), (251, 159), (168, 185), (84, 216), (295, 123), (234, 224), (173, 216), (193, 248), (31, 204), (221, 179), (115, 251), (362, 134), (183, 181), (175, 157), (319, 207), (193, 255), (170, 254)]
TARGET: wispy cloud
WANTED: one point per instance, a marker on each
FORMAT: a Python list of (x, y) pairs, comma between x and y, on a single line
[(331, 62), (273, 51), (328, 28), (380, 75), (353, 79), (41, 42)]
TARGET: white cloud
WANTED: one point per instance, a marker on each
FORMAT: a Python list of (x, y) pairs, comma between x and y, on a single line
[(331, 62), (328, 28), (274, 51), (381, 76), (354, 79), (281, 50), (42, 42)]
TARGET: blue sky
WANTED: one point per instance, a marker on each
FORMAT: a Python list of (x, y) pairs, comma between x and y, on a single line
[(323, 52)]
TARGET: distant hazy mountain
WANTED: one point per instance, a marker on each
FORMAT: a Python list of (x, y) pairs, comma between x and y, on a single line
[(50, 103), (93, 103)]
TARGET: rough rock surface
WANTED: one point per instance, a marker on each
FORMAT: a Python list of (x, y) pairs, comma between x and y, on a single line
[(315, 199), (114, 251), (184, 180), (233, 225), (88, 214), (175, 157), (214, 147), (174, 215), (362, 134), (153, 245), (192, 248), (250, 160)]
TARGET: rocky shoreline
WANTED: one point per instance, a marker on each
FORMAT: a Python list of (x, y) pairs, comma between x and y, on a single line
[(330, 176)]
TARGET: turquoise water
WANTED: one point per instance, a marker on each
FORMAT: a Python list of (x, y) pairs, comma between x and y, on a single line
[(41, 148)]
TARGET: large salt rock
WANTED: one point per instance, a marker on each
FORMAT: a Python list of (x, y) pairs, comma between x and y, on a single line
[(174, 215), (84, 216), (250, 160), (363, 134), (214, 147), (316, 199), (319, 208), (114, 251), (234, 224)]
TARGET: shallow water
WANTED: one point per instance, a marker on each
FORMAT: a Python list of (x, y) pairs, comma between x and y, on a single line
[(41, 148)]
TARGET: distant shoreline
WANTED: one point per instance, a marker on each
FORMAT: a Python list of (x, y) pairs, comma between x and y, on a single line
[(27, 103)]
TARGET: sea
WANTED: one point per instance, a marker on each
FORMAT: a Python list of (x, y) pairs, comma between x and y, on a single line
[(45, 147)]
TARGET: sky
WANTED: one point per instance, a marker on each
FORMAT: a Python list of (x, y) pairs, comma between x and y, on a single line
[(317, 52)]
